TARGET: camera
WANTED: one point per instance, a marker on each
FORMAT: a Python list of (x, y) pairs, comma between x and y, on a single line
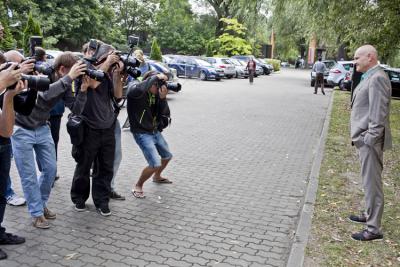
[(44, 68), (37, 83), (131, 64), (176, 87), (94, 74)]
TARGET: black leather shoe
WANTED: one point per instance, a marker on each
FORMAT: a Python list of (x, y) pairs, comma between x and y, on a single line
[(116, 196), (3, 255), (358, 218), (10, 239), (366, 235)]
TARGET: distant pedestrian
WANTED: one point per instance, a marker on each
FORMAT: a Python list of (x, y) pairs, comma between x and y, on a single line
[(370, 134), (319, 68), (251, 67)]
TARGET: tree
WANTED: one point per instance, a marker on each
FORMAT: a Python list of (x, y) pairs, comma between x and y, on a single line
[(155, 53), (8, 42), (32, 29), (231, 42)]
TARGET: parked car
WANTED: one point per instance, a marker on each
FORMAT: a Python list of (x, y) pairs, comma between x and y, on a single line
[(265, 68), (285, 64), (224, 64), (394, 76), (51, 55), (240, 67), (269, 66), (338, 72), (245, 59), (194, 67), (162, 68), (328, 64)]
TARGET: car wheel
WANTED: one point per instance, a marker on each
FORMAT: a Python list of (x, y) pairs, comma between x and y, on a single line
[(229, 77), (341, 85), (312, 83), (203, 76), (237, 75), (217, 79)]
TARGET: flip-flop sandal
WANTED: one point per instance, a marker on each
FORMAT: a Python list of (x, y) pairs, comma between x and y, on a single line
[(138, 194), (162, 181)]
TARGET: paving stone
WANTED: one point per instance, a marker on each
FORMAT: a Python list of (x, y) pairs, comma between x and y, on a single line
[(226, 137)]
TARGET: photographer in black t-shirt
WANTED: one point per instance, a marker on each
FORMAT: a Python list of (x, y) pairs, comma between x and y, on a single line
[(98, 113)]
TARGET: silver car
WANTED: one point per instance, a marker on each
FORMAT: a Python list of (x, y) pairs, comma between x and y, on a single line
[(241, 71), (337, 73), (223, 63)]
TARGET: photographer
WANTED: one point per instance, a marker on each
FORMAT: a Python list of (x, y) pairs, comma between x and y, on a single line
[(32, 134), (146, 108), (8, 77), (99, 115)]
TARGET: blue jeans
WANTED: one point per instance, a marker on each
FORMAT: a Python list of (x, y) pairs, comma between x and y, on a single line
[(118, 152), (36, 189), (5, 164), (153, 147)]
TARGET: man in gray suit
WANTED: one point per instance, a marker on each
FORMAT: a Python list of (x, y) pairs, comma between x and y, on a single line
[(370, 134)]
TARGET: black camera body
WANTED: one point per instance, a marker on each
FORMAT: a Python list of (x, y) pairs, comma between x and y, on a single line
[(176, 87), (37, 83), (131, 64)]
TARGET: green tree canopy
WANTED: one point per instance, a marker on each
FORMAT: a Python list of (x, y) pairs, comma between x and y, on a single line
[(155, 53)]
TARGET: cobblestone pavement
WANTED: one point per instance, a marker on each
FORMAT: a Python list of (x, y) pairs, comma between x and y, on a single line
[(242, 155)]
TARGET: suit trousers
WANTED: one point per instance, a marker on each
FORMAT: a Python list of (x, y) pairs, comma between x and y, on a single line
[(371, 159)]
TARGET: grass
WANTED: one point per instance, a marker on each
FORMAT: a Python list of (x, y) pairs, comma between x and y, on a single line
[(339, 194)]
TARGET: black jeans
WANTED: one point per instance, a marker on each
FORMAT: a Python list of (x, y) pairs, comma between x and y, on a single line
[(99, 145), (55, 122), (5, 164)]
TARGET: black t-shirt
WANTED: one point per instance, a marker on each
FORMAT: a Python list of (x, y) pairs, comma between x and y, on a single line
[(99, 111)]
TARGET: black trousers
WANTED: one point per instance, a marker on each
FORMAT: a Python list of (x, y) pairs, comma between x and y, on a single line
[(99, 145), (5, 164), (55, 122)]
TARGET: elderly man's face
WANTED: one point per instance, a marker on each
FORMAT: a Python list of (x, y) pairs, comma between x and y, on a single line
[(362, 60)]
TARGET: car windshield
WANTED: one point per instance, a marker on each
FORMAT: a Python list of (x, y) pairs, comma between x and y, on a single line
[(330, 64), (225, 61), (348, 66), (235, 62), (203, 63)]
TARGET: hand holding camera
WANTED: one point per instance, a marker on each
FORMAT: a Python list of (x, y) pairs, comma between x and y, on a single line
[(78, 69), (9, 76), (27, 66), (19, 87)]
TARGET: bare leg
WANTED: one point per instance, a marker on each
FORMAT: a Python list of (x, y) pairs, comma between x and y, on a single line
[(157, 174), (146, 174)]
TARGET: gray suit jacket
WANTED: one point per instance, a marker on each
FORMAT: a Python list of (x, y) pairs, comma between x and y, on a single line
[(370, 111)]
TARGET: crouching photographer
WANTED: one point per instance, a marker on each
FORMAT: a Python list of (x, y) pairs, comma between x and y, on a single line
[(149, 114), (99, 113), (32, 134)]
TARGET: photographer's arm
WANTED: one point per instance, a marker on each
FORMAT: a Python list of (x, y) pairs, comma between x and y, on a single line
[(25, 102), (7, 114), (118, 80), (77, 103)]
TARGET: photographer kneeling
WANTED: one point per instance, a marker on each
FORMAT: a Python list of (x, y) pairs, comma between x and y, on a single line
[(148, 113), (32, 134)]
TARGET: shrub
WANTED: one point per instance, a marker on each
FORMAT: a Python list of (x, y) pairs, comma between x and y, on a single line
[(275, 63)]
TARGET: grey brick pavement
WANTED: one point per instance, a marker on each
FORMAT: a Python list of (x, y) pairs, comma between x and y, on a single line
[(242, 156)]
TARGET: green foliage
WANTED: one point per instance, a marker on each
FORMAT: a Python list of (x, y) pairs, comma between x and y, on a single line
[(32, 29), (275, 63), (8, 42), (231, 42), (155, 53)]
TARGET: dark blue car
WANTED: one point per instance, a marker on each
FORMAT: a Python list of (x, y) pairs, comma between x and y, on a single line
[(194, 67)]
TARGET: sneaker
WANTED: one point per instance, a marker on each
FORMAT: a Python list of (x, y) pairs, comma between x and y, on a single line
[(366, 235), (80, 207), (104, 211), (10, 239), (3, 255), (41, 222), (15, 200), (358, 218), (49, 215), (116, 196)]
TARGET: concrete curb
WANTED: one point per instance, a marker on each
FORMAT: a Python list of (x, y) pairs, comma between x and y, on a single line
[(296, 255)]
